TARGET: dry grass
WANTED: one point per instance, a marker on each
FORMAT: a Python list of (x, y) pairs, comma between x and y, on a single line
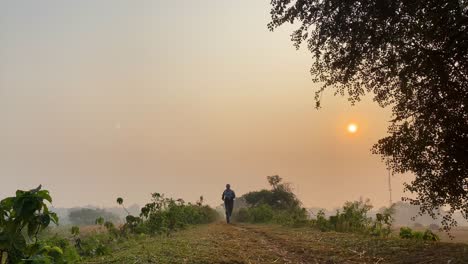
[(221, 243)]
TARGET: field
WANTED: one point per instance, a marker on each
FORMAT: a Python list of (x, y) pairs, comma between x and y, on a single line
[(246, 243)]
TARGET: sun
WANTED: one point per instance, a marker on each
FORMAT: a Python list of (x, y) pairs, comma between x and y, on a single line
[(352, 128)]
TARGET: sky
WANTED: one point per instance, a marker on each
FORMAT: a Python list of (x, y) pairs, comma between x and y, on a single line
[(109, 98)]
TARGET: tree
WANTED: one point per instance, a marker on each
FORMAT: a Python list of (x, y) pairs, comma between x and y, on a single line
[(279, 197), (274, 180), (411, 56)]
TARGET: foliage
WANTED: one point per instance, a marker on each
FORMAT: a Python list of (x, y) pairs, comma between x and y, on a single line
[(279, 197), (75, 230), (69, 252), (22, 217), (383, 222), (408, 233), (88, 216), (353, 217), (412, 56), (164, 215), (321, 222), (93, 246), (278, 205), (99, 221)]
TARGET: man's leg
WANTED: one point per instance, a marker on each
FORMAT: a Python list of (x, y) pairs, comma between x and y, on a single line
[(229, 208), (226, 208)]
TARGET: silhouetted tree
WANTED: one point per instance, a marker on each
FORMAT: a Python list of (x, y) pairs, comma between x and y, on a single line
[(280, 197), (412, 56)]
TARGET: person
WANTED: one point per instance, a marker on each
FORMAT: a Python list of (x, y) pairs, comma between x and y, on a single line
[(228, 198)]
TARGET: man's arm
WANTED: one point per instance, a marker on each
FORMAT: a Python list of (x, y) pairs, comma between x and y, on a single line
[(233, 195), (222, 196)]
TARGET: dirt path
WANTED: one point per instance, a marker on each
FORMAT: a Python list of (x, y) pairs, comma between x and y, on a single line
[(222, 243)]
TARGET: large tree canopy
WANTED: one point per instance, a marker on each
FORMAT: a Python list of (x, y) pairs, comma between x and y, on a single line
[(411, 55)]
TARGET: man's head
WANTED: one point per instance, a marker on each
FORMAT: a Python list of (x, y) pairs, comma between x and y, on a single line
[(228, 186)]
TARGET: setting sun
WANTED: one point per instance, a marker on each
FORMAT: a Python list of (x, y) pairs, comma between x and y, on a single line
[(352, 128)]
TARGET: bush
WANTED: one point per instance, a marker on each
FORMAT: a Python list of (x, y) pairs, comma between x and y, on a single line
[(94, 245), (430, 236), (69, 252), (278, 205), (408, 233), (261, 214), (279, 197), (353, 217), (382, 225), (23, 217), (321, 222), (163, 215)]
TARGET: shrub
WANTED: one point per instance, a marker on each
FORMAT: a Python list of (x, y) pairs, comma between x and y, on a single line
[(353, 217), (279, 197), (408, 233), (242, 215), (260, 214), (430, 236), (94, 245), (23, 217), (278, 205), (383, 222), (163, 215), (69, 252), (321, 222)]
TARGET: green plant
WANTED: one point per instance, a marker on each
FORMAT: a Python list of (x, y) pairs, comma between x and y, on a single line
[(430, 236), (408, 233), (99, 221), (383, 223), (261, 214), (22, 217), (321, 221), (353, 217)]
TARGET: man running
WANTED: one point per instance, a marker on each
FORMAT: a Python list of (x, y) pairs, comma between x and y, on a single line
[(228, 198)]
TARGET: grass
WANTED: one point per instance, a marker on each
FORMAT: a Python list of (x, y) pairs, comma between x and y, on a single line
[(221, 243)]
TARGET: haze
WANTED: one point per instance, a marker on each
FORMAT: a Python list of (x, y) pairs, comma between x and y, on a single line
[(100, 99)]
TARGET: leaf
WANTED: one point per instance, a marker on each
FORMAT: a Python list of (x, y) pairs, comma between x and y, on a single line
[(54, 218), (44, 194), (33, 226), (44, 220)]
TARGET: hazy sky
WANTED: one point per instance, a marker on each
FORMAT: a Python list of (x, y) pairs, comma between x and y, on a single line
[(108, 98)]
